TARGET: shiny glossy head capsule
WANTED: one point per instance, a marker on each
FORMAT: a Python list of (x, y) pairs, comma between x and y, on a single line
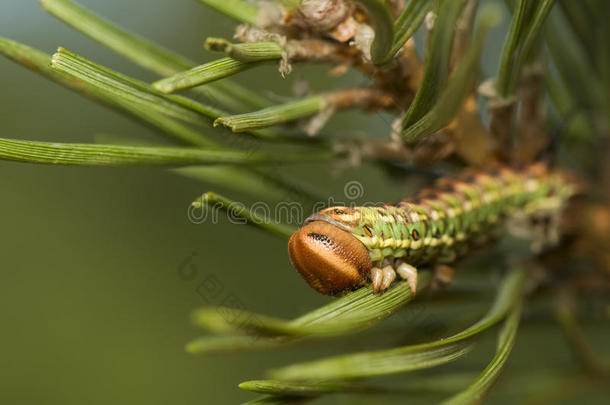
[(330, 259)]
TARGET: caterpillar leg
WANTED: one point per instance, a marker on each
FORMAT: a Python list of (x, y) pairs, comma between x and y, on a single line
[(409, 273), (376, 278), (388, 276), (382, 278)]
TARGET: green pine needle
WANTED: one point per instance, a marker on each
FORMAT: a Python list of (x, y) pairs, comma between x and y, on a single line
[(134, 97), (212, 200), (149, 55), (437, 64), (277, 387), (121, 156), (415, 357), (277, 114), (384, 29), (247, 52), (476, 392), (447, 105), (202, 74), (510, 45), (527, 40), (409, 20), (351, 313)]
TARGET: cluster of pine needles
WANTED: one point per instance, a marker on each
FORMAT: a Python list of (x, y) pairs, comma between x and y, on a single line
[(421, 60)]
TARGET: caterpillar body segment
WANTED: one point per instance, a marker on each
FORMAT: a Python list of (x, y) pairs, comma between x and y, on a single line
[(438, 225)]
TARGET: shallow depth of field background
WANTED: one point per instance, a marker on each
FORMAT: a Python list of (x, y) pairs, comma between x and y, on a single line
[(92, 304)]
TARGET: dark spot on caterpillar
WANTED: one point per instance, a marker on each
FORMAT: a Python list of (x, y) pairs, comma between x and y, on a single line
[(426, 225), (324, 240), (368, 231), (339, 211), (320, 238), (538, 220), (415, 235), (448, 187)]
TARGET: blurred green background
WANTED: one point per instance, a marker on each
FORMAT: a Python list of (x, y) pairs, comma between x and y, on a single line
[(93, 304)]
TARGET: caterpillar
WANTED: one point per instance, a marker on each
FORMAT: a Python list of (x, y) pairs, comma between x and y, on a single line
[(342, 248)]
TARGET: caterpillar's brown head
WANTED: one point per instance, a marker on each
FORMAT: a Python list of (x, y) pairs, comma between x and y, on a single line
[(330, 259)]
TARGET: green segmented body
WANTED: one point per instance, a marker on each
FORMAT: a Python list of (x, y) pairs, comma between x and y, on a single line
[(440, 224)]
